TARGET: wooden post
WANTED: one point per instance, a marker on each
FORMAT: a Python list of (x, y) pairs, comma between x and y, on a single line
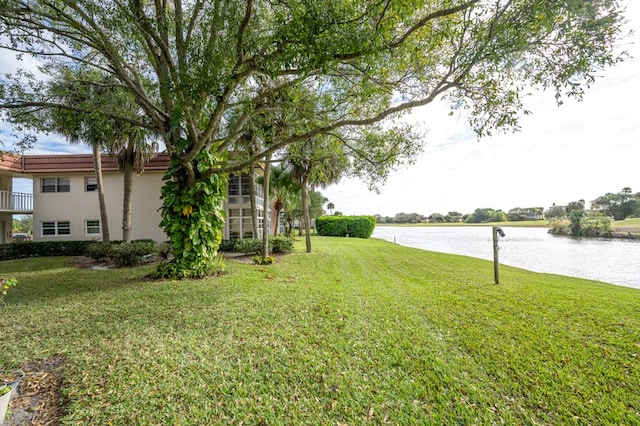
[(496, 265)]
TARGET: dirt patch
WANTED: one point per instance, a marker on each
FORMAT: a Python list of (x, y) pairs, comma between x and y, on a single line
[(39, 401), (248, 258), (87, 262)]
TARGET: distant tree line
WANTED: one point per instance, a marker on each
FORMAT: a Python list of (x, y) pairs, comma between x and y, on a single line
[(617, 206)]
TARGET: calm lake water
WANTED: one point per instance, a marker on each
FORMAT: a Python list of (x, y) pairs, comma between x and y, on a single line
[(615, 261)]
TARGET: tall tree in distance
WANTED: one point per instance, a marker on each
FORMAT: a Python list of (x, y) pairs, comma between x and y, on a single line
[(190, 66), (79, 127), (132, 156), (319, 161)]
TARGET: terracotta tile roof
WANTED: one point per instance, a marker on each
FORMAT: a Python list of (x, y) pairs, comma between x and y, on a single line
[(10, 162), (70, 163)]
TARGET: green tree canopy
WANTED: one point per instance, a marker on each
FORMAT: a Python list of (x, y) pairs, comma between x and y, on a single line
[(618, 206), (201, 71)]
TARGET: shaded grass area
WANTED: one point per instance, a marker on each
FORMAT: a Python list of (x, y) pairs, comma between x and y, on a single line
[(359, 331)]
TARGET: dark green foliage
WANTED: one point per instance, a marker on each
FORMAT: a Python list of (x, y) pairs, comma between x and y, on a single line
[(262, 260), (487, 215), (99, 251), (164, 250), (618, 206), (128, 254), (43, 249), (131, 254), (576, 218), (277, 244), (228, 245), (280, 244), (342, 226), (172, 270), (193, 214), (249, 245)]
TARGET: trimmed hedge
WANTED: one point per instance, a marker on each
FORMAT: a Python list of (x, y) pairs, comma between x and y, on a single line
[(277, 244), (342, 226), (24, 249)]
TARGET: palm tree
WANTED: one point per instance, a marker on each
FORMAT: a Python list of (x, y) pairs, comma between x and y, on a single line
[(318, 162), (79, 128), (128, 143), (330, 206), (281, 187), (132, 156)]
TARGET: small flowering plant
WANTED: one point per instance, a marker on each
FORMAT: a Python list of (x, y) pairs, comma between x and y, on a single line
[(4, 389), (5, 285)]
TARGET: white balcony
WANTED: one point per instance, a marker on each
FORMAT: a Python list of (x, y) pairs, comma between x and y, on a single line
[(16, 202)]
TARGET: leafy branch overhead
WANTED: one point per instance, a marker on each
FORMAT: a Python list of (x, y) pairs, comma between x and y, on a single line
[(205, 74), (191, 65)]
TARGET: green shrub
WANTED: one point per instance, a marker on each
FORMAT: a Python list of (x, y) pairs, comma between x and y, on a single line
[(44, 249), (171, 269), (228, 245), (5, 285), (559, 226), (595, 224), (131, 254), (249, 246), (164, 250), (99, 251), (280, 244), (277, 244), (264, 260), (342, 226)]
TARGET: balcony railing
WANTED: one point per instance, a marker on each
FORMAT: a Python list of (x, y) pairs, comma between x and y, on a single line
[(16, 202)]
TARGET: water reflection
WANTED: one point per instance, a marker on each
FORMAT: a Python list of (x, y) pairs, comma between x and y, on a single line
[(610, 260)]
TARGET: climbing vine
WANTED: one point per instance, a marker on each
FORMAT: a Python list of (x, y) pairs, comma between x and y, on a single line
[(192, 217)]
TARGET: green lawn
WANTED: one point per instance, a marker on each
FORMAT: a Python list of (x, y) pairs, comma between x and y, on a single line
[(357, 332), (627, 223)]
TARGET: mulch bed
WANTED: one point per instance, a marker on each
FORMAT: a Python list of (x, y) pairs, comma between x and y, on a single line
[(39, 401)]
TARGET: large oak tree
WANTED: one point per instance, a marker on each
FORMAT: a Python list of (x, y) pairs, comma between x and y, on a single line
[(202, 70)]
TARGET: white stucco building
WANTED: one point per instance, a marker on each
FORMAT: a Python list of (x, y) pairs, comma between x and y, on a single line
[(64, 202)]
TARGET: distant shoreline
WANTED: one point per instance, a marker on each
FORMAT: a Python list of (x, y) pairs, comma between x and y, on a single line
[(623, 230), (523, 224)]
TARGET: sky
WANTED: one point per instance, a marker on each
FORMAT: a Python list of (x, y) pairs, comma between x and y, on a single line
[(580, 150)]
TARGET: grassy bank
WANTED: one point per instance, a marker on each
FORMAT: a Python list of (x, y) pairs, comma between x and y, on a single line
[(357, 332)]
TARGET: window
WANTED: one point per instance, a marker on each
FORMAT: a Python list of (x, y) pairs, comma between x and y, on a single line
[(240, 223), (55, 185), (90, 184), (239, 189), (56, 228), (92, 227), (234, 185), (244, 184)]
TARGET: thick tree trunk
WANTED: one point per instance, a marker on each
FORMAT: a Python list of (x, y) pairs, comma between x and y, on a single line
[(306, 214), (276, 224), (127, 167), (265, 225), (254, 210), (104, 220), (127, 198)]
